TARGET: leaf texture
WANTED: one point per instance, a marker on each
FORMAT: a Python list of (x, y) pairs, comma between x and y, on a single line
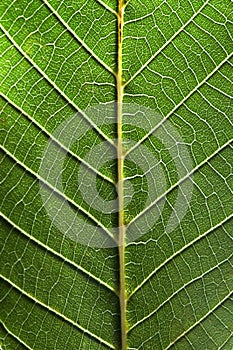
[(172, 59)]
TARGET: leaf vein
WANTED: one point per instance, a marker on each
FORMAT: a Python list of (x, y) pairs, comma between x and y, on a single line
[(50, 136), (198, 238), (46, 77), (166, 43), (84, 45), (179, 104), (107, 7), (57, 254), (187, 176), (54, 311), (199, 321), (178, 291), (62, 195), (16, 337)]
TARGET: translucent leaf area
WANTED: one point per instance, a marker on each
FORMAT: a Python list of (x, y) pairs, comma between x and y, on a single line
[(162, 70)]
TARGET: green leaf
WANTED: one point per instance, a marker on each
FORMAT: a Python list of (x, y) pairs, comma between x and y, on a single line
[(116, 174)]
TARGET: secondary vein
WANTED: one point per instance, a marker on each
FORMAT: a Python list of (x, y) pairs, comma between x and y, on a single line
[(55, 253), (57, 313), (55, 140), (74, 34), (55, 86), (60, 193)]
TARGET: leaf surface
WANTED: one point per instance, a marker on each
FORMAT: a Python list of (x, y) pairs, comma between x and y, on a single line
[(168, 64)]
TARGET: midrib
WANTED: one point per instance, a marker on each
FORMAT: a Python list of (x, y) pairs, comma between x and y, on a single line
[(120, 165)]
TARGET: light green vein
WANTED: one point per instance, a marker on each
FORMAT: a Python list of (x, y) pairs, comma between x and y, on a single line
[(215, 107), (187, 176), (218, 90), (92, 53), (180, 104), (166, 43), (107, 7), (199, 321), (178, 252), (90, 216), (210, 34), (61, 256), (16, 337), (178, 291), (221, 321), (225, 342), (54, 311), (46, 77), (74, 155)]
